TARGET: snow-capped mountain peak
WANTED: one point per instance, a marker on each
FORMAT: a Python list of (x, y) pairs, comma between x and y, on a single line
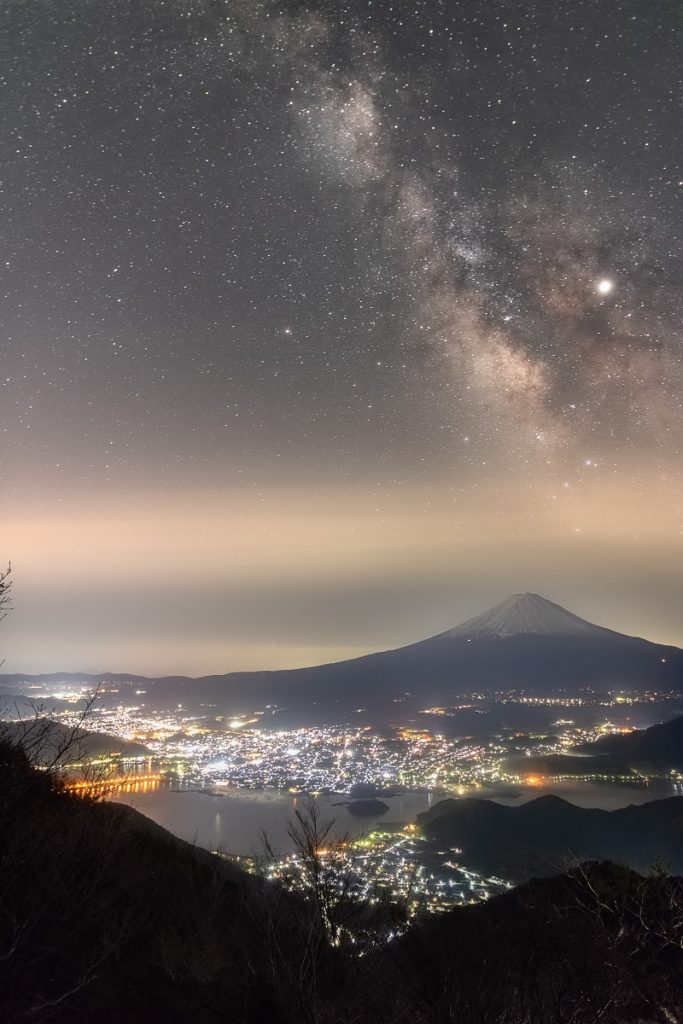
[(526, 614)]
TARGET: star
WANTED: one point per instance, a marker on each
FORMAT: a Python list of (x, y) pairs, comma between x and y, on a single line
[(604, 286)]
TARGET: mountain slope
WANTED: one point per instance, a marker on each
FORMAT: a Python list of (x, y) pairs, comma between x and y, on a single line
[(543, 835), (584, 947), (47, 739), (106, 916), (528, 614), (658, 745), (657, 750)]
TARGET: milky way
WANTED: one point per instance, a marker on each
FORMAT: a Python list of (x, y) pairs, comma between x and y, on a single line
[(424, 256)]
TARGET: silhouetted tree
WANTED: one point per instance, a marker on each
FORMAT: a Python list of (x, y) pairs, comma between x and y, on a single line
[(5, 594)]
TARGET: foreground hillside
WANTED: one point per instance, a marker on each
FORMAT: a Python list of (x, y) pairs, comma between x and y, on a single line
[(106, 918), (600, 944)]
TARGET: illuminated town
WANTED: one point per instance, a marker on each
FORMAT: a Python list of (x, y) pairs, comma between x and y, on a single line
[(246, 751), (398, 864)]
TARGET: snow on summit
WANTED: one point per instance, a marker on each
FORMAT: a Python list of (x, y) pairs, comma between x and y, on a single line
[(524, 614)]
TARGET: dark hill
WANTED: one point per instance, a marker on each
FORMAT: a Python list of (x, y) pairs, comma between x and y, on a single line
[(658, 749), (544, 835), (660, 745), (49, 738), (107, 917), (582, 947)]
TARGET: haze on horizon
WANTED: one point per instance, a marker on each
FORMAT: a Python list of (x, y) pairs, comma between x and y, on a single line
[(324, 331)]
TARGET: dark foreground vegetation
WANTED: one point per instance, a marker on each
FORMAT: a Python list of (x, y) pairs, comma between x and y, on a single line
[(105, 917)]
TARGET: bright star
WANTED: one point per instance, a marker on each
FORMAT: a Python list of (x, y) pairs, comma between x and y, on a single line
[(605, 286)]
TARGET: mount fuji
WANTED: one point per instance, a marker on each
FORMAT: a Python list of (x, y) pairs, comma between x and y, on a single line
[(526, 642), (529, 615)]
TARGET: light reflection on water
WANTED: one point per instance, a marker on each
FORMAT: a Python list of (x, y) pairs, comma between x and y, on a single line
[(232, 819)]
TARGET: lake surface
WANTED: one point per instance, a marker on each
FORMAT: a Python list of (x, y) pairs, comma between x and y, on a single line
[(231, 819), (606, 795)]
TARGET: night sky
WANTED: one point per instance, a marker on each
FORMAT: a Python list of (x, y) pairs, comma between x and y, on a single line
[(325, 326)]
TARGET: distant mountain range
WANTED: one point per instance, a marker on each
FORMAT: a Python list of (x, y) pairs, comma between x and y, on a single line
[(544, 836), (524, 642)]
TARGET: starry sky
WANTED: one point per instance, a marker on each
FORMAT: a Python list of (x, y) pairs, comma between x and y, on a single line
[(327, 325)]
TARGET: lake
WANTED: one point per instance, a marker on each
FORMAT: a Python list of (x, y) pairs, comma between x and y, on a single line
[(231, 819)]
